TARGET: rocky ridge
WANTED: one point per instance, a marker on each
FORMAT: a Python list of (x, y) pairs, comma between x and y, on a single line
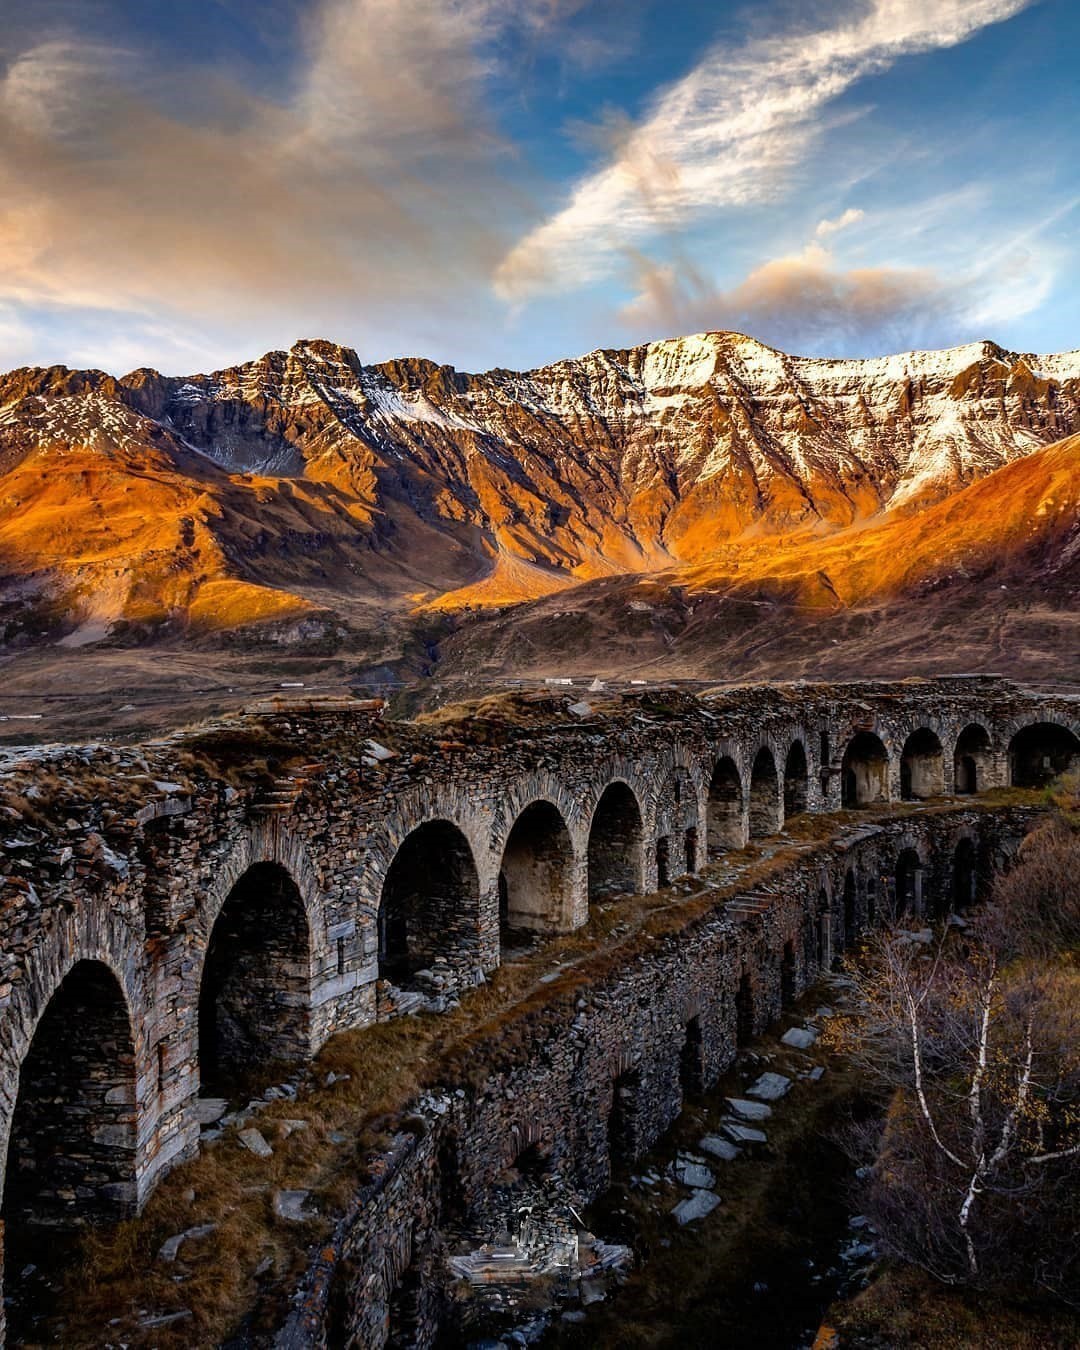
[(306, 476)]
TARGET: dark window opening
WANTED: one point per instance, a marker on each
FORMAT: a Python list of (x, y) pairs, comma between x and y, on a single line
[(692, 1061), (624, 1126), (788, 975), (849, 907), (691, 849), (745, 1020), (663, 862)]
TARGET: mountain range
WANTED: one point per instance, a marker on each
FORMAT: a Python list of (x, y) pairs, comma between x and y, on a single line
[(667, 500)]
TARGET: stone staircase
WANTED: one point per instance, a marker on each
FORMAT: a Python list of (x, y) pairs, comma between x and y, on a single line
[(284, 792)]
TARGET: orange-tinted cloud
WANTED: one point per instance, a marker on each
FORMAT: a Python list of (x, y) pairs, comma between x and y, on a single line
[(801, 303)]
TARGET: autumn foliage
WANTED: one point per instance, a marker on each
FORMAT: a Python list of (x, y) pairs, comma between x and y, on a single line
[(976, 1177)]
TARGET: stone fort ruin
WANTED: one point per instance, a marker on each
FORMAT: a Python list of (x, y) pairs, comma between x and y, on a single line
[(181, 930)]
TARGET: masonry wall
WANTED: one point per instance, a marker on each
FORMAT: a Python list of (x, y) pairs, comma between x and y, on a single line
[(550, 1078), (134, 875)]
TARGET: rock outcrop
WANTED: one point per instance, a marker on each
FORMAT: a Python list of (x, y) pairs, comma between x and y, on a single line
[(309, 473)]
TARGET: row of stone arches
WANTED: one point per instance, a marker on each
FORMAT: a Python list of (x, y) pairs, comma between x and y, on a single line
[(74, 1134), (1035, 755)]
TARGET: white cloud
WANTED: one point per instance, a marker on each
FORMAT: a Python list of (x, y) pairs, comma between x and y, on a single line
[(851, 216), (727, 134)]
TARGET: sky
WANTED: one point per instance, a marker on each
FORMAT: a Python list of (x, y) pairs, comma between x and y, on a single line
[(506, 182)]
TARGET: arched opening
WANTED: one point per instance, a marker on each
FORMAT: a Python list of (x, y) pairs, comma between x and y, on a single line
[(971, 760), (615, 843), (1040, 753), (849, 907), (864, 771), (726, 827), (764, 796), (922, 766), (909, 872), (71, 1152), (255, 997), (965, 874), (536, 873), (430, 902), (796, 780)]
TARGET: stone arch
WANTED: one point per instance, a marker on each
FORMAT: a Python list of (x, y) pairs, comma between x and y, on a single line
[(676, 816), (765, 799), (972, 759), (724, 813), (922, 766), (616, 842), (1039, 752), (536, 875), (796, 780), (266, 842), (72, 1146), (255, 989), (864, 771), (429, 905)]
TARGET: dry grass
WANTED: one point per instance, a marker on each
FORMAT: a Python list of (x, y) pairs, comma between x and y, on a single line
[(118, 1274), (903, 1309)]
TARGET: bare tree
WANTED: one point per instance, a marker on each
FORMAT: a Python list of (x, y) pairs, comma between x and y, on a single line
[(977, 1035)]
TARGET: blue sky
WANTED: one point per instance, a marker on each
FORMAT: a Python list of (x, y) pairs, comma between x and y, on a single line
[(494, 183)]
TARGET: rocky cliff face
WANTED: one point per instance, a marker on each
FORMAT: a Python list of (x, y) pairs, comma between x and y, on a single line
[(308, 469)]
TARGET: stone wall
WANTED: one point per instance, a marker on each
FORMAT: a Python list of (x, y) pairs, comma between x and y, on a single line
[(593, 1077), (142, 865)]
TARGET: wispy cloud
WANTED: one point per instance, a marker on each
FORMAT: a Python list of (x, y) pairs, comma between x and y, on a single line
[(727, 134), (119, 191), (851, 216)]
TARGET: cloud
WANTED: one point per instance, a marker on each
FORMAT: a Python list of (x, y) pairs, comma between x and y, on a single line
[(805, 304), (727, 135), (851, 216), (376, 182)]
